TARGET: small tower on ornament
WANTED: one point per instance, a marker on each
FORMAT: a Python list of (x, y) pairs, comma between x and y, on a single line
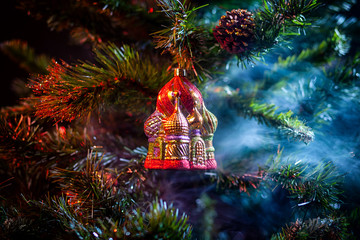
[(176, 139), (181, 129), (197, 146)]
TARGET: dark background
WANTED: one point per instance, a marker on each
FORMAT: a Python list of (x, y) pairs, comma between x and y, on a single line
[(16, 24)]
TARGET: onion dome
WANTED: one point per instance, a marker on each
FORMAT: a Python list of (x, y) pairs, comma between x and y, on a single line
[(210, 122), (195, 119), (189, 94), (153, 123), (176, 124)]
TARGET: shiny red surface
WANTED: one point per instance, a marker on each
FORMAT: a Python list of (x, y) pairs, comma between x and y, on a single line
[(188, 95)]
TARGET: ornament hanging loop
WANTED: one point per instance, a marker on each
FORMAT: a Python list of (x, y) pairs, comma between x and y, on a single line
[(179, 72)]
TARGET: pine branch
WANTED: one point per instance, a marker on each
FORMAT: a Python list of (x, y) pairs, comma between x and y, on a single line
[(319, 54), (119, 76), (345, 71), (312, 187), (279, 17), (96, 190), (29, 222), (276, 19), (293, 11), (22, 137), (249, 36), (92, 190), (317, 228), (243, 182), (181, 36), (20, 52), (28, 151), (68, 215), (99, 203), (25, 108), (160, 222), (265, 114)]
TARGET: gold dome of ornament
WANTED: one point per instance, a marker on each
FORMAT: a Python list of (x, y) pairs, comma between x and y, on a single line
[(153, 123), (176, 124), (195, 119)]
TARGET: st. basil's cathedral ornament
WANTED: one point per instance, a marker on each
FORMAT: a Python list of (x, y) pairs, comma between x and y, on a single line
[(181, 129)]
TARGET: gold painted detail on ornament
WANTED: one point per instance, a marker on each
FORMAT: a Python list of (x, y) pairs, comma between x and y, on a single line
[(195, 119), (177, 151), (158, 149), (210, 155), (150, 150), (153, 123)]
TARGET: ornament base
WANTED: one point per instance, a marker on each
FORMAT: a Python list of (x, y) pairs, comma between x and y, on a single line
[(178, 164), (167, 164)]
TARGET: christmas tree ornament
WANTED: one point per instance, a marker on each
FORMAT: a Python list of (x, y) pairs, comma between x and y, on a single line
[(180, 131), (235, 31)]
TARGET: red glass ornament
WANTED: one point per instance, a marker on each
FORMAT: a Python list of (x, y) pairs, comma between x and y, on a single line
[(180, 131)]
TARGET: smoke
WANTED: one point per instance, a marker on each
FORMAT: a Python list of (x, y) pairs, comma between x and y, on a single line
[(331, 109)]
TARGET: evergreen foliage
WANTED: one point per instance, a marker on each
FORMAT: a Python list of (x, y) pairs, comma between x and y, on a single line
[(161, 222), (315, 228), (265, 114), (73, 92), (317, 189), (20, 52)]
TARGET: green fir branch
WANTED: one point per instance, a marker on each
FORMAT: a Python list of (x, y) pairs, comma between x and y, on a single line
[(27, 221), (160, 222), (25, 56), (181, 36), (23, 137), (93, 190), (98, 202), (290, 10), (319, 54), (274, 21), (265, 114), (312, 187), (344, 71), (316, 228), (119, 76), (28, 151), (191, 45), (321, 188), (243, 182)]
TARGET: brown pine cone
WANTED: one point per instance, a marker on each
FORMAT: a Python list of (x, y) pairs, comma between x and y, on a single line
[(235, 31)]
